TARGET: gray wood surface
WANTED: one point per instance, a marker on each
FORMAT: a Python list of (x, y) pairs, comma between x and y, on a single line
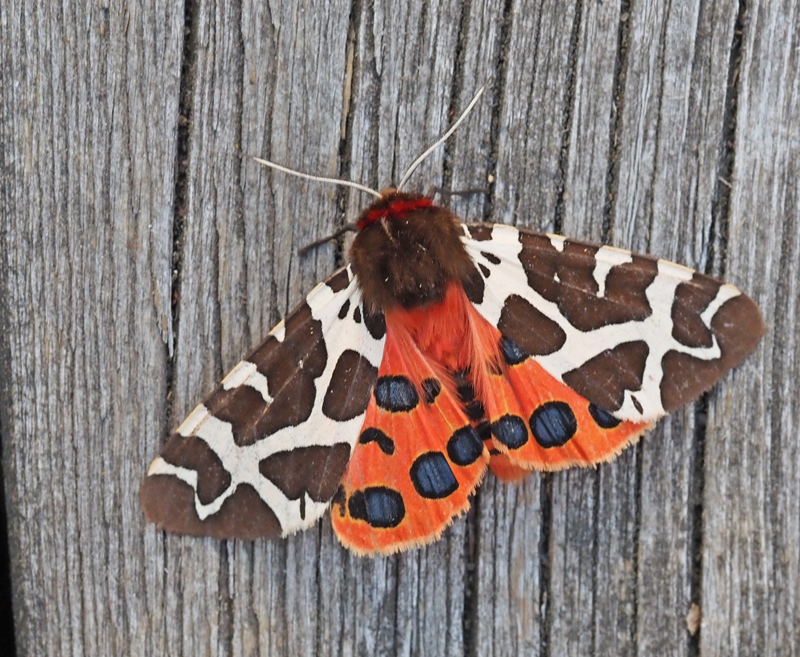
[(141, 255)]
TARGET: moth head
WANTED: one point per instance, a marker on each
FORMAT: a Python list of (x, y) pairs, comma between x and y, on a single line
[(407, 251), (392, 206)]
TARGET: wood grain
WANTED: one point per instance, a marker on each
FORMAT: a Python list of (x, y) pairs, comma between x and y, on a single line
[(141, 254)]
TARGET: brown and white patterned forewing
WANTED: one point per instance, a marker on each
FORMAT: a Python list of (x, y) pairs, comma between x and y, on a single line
[(637, 336), (264, 454)]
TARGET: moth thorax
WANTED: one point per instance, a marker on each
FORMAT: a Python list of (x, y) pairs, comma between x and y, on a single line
[(406, 252)]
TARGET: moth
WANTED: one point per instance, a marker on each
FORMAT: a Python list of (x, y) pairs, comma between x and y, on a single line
[(442, 350)]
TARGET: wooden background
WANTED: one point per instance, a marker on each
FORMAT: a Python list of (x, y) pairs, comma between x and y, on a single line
[(141, 256)]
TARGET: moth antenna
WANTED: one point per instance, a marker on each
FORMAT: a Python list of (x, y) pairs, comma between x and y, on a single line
[(433, 190), (441, 140), (348, 228), (308, 176)]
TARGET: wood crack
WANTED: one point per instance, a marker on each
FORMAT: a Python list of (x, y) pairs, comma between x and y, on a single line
[(615, 120)]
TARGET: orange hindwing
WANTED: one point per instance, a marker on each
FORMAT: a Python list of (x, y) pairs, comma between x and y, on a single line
[(417, 459)]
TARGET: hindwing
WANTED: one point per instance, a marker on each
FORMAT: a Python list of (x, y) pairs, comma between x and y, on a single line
[(417, 459)]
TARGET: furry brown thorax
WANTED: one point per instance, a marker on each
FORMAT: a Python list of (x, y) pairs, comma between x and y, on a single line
[(406, 252)]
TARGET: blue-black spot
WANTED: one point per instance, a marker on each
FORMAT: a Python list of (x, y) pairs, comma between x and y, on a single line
[(464, 389), (484, 270), (511, 431), (357, 315), (395, 394), (491, 257), (432, 476), (553, 424), (378, 506), (344, 309), (475, 410), (484, 430), (464, 446), (512, 354), (431, 389), (372, 434), (604, 420)]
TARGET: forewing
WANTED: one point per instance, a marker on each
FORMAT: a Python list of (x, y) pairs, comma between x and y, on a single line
[(265, 452), (636, 336)]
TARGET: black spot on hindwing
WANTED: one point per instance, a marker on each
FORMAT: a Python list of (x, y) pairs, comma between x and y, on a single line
[(378, 506), (396, 394), (431, 388), (553, 424), (371, 434), (510, 430), (475, 410), (602, 419), (512, 354), (464, 388), (484, 430), (464, 447), (432, 477)]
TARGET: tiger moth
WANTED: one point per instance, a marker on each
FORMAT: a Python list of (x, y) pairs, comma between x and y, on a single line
[(442, 349)]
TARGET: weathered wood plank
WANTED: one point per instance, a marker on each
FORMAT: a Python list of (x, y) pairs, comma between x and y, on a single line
[(751, 533), (603, 122), (672, 121), (89, 109)]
